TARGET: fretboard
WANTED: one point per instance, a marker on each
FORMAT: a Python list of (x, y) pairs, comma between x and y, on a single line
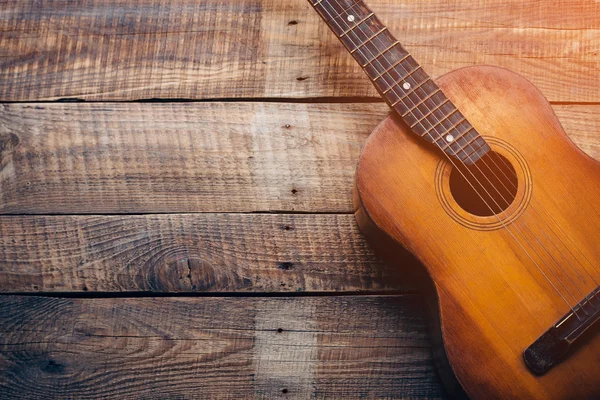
[(401, 81)]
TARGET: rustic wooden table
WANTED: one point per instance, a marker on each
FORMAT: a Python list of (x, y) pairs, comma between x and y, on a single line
[(175, 191)]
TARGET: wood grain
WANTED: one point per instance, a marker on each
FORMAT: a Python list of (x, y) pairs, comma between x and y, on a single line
[(582, 123), (190, 253), (316, 347), (126, 50), (132, 158), (119, 158)]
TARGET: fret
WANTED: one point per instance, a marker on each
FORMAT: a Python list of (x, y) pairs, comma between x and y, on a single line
[(337, 15), (465, 137), (382, 53), (477, 151), (415, 88), (421, 103), (455, 126), (473, 148), (357, 24), (467, 140), (442, 117), (371, 35), (431, 112), (403, 79), (433, 94), (344, 10), (436, 125), (403, 83), (451, 143), (477, 155), (368, 40), (470, 142), (392, 67), (391, 50)]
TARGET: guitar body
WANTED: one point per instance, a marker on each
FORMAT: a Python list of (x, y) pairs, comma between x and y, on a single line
[(493, 299)]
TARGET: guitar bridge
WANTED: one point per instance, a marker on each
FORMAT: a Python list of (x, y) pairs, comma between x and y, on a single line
[(556, 344)]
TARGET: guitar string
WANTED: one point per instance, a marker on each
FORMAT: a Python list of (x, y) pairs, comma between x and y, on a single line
[(377, 37), (372, 38), (553, 220), (392, 88), (470, 145), (549, 239), (479, 194)]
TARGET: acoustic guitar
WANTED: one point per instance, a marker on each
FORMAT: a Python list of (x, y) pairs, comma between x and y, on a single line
[(475, 177)]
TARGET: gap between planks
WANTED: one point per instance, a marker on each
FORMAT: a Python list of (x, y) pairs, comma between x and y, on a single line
[(301, 100), (127, 295)]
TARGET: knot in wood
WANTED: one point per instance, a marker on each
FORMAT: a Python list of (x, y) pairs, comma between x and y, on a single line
[(8, 143)]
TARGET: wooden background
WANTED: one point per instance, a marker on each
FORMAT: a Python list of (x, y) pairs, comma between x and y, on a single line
[(175, 191)]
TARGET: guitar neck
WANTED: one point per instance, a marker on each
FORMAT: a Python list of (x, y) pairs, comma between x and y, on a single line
[(400, 80)]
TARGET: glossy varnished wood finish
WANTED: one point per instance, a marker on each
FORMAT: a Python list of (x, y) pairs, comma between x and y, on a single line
[(493, 300)]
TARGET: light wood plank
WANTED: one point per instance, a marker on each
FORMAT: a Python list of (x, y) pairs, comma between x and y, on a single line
[(328, 347), (582, 123), (124, 50), (190, 253), (202, 157)]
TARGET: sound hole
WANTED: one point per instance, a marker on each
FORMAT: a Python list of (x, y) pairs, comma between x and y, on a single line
[(486, 188)]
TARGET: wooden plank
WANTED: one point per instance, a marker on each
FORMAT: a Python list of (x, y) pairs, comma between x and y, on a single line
[(190, 253), (181, 157), (305, 347), (582, 123), (125, 50), (203, 157)]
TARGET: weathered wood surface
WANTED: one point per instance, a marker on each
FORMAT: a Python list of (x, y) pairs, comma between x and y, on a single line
[(124, 50), (190, 253), (304, 347), (181, 157), (88, 158), (225, 160)]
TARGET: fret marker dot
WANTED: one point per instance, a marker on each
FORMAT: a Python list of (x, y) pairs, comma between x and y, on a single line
[(351, 18), (449, 138), (406, 85)]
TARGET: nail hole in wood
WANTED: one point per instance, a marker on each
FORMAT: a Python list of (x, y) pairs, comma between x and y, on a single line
[(8, 142), (286, 266)]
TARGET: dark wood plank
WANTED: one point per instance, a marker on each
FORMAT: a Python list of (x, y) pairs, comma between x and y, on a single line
[(190, 253), (305, 347), (124, 50), (203, 157)]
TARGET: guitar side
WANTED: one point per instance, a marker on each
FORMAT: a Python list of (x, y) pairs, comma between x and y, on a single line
[(493, 297)]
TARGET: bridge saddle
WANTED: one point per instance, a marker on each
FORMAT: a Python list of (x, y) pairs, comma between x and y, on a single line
[(555, 345)]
